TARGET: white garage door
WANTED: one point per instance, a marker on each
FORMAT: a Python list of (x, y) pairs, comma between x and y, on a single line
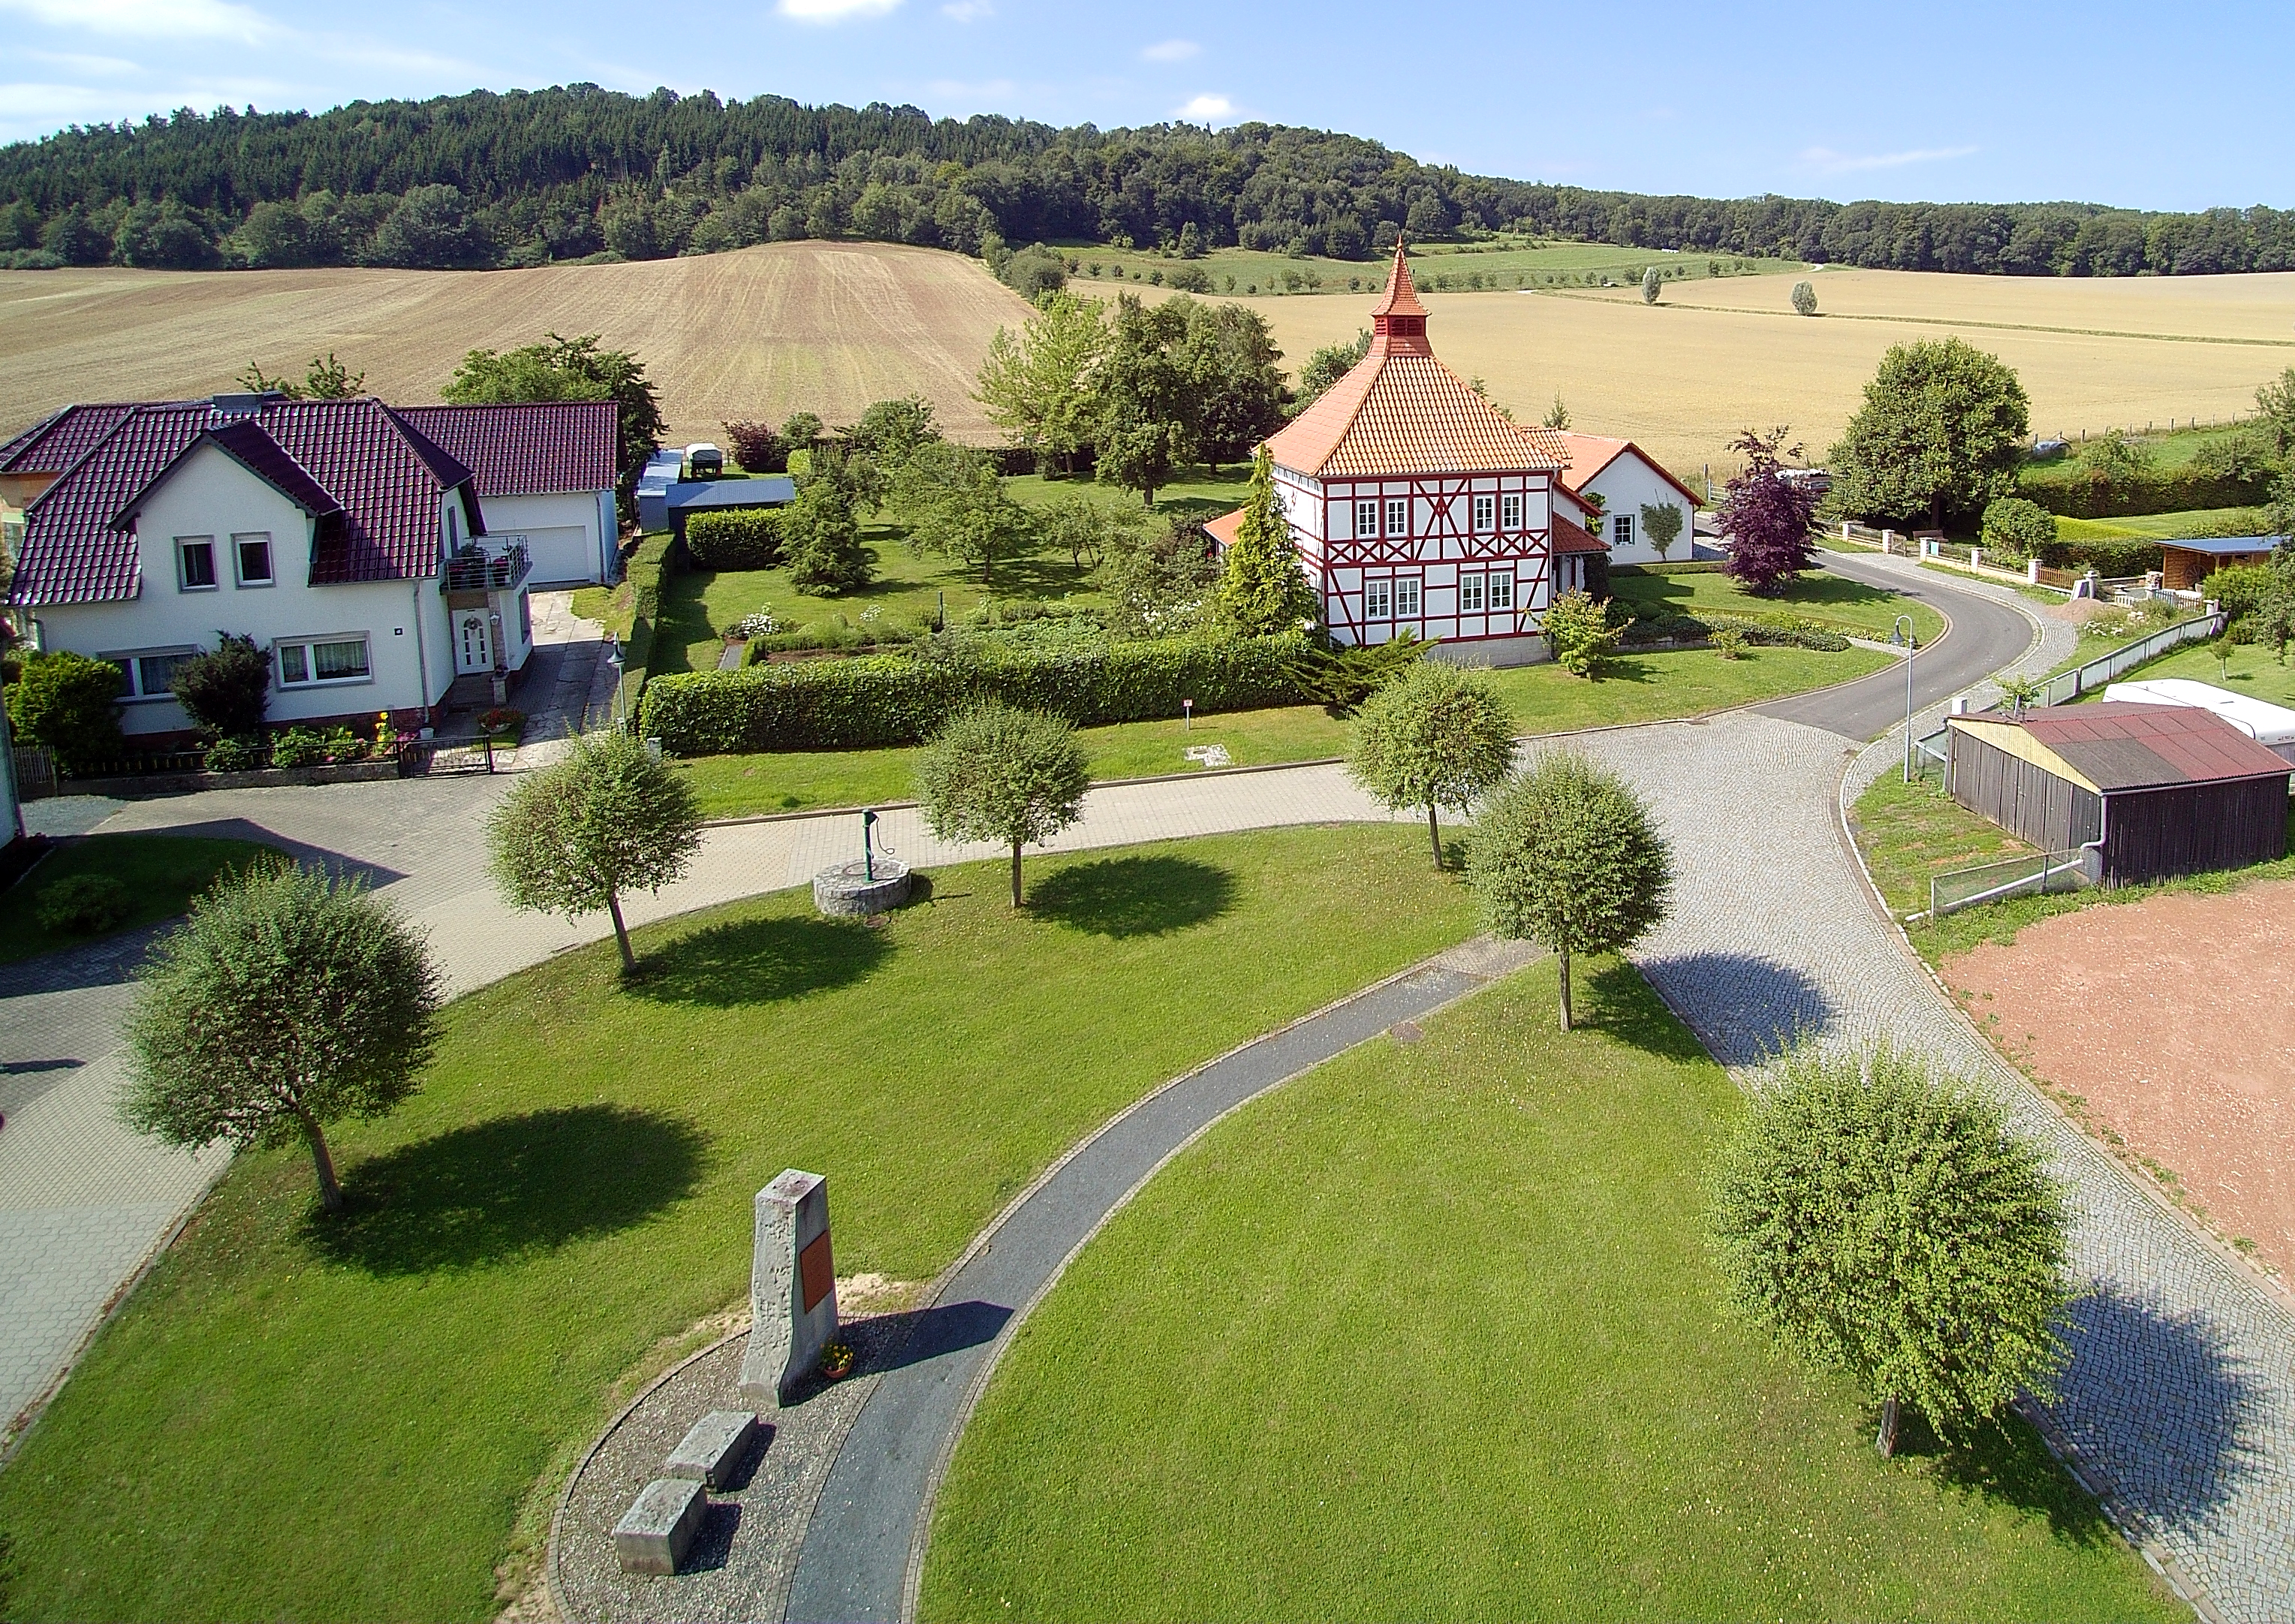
[(562, 554)]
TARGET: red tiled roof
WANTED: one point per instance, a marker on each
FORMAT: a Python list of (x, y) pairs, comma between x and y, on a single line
[(1575, 538), (374, 482), (1401, 412), (1585, 455), (56, 442), (526, 450), (1225, 529), (2139, 746)]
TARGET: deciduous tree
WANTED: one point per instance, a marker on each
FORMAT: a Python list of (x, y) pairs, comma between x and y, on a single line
[(1767, 517), (1435, 737), (1661, 523), (1230, 357), (1146, 416), (1037, 385), (958, 507), (607, 821), (69, 704), (1328, 364), (1804, 298), (1883, 1222), (821, 541), (570, 369), (1568, 856), (993, 772), (1941, 432), (288, 1000)]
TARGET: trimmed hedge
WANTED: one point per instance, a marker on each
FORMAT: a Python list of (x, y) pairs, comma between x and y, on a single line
[(1693, 628), (655, 559), (738, 538), (2110, 556), (894, 699), (2068, 492)]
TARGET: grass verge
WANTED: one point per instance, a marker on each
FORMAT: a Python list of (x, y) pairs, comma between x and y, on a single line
[(1431, 1332), (162, 873), (364, 1418), (1834, 602)]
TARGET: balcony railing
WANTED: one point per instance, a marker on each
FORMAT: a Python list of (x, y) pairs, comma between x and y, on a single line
[(495, 564)]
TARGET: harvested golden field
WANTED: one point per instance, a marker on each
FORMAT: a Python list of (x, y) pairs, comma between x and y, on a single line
[(1681, 377), (832, 326), (829, 327)]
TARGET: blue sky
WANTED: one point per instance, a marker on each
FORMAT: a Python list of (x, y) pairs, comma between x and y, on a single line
[(2163, 106)]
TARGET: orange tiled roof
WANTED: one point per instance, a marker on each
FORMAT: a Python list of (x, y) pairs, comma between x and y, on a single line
[(1402, 294), (1585, 455), (1225, 529), (1569, 537)]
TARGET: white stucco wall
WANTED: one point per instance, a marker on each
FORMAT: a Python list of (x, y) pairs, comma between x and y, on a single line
[(569, 533), (1626, 486), (404, 621)]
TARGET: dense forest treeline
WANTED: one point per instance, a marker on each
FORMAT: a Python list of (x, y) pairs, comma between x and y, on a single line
[(531, 177)]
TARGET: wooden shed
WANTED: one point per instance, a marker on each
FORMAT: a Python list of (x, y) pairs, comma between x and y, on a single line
[(2187, 561), (2154, 789)]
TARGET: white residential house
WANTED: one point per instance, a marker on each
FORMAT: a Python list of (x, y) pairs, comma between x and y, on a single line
[(337, 534), (546, 474), (1626, 479)]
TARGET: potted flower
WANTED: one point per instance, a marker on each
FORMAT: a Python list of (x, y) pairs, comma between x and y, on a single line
[(836, 1361)]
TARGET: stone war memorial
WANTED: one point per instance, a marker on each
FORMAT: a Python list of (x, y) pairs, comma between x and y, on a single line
[(792, 1289)]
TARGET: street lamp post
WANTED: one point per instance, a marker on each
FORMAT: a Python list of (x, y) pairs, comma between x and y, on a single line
[(613, 658), (1903, 633)]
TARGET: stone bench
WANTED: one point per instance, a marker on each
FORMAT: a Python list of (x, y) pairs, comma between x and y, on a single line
[(711, 1452), (659, 1528)]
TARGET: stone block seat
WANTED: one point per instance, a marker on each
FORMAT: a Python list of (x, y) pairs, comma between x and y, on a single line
[(712, 1451), (657, 1530)]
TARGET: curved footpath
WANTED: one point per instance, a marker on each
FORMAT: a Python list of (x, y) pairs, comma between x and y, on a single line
[(2181, 1397)]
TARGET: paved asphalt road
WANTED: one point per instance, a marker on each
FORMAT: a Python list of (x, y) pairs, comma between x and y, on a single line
[(1985, 635)]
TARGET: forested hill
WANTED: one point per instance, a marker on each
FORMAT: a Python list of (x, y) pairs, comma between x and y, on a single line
[(523, 178)]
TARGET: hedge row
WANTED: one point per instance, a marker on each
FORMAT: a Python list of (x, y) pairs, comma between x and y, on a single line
[(2108, 556), (2071, 493), (894, 699), (740, 538), (654, 559)]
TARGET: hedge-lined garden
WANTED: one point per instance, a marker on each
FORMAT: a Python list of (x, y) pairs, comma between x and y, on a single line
[(892, 699)]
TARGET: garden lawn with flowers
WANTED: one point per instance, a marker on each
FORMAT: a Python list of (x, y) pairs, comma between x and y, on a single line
[(1434, 1332), (371, 1417)]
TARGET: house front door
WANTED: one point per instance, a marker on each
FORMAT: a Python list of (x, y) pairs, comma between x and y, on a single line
[(473, 651)]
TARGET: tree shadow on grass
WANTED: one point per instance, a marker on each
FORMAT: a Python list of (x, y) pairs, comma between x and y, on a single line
[(513, 1185), (1615, 1001), (758, 961), (1134, 896)]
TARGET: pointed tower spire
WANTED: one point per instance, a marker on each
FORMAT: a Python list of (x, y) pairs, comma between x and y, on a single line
[(1400, 319)]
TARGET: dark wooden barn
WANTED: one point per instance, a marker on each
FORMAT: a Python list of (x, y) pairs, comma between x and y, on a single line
[(2155, 790)]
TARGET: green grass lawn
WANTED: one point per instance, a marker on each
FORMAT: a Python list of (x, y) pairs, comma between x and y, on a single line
[(2165, 526), (1908, 832), (2253, 670), (162, 874), (1433, 1333), (361, 1419), (1544, 699), (1834, 602)]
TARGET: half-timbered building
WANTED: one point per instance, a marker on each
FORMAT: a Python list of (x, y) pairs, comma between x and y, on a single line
[(1416, 505)]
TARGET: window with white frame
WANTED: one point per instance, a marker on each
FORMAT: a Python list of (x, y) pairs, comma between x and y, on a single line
[(1366, 518), (148, 673), (1398, 516), (313, 662), (1502, 594), (252, 555), (1406, 597), (1510, 510), (195, 563), (1470, 595), (1486, 514), (1621, 530), (1378, 598)]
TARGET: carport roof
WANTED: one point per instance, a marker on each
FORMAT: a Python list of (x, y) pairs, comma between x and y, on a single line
[(2120, 747)]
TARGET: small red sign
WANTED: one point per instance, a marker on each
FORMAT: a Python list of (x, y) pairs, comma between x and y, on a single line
[(816, 1273)]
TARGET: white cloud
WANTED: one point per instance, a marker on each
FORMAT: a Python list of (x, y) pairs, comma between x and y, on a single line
[(1826, 161), (1170, 50), (834, 10), (1206, 109), (968, 10), (148, 18), (72, 62)]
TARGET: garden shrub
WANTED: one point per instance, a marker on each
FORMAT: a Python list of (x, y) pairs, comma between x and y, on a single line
[(314, 747), (2082, 489), (235, 752), (227, 690), (1774, 634), (84, 904), (1578, 632), (68, 703), (737, 539), (2014, 524), (898, 700), (1729, 642), (2242, 589)]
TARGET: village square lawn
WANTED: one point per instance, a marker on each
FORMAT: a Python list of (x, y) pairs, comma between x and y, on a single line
[(365, 1417), (1433, 1333), (1544, 699), (161, 873), (1834, 602)]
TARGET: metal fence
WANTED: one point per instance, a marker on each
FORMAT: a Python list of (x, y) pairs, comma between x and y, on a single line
[(36, 771), (1992, 882), (2070, 685)]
